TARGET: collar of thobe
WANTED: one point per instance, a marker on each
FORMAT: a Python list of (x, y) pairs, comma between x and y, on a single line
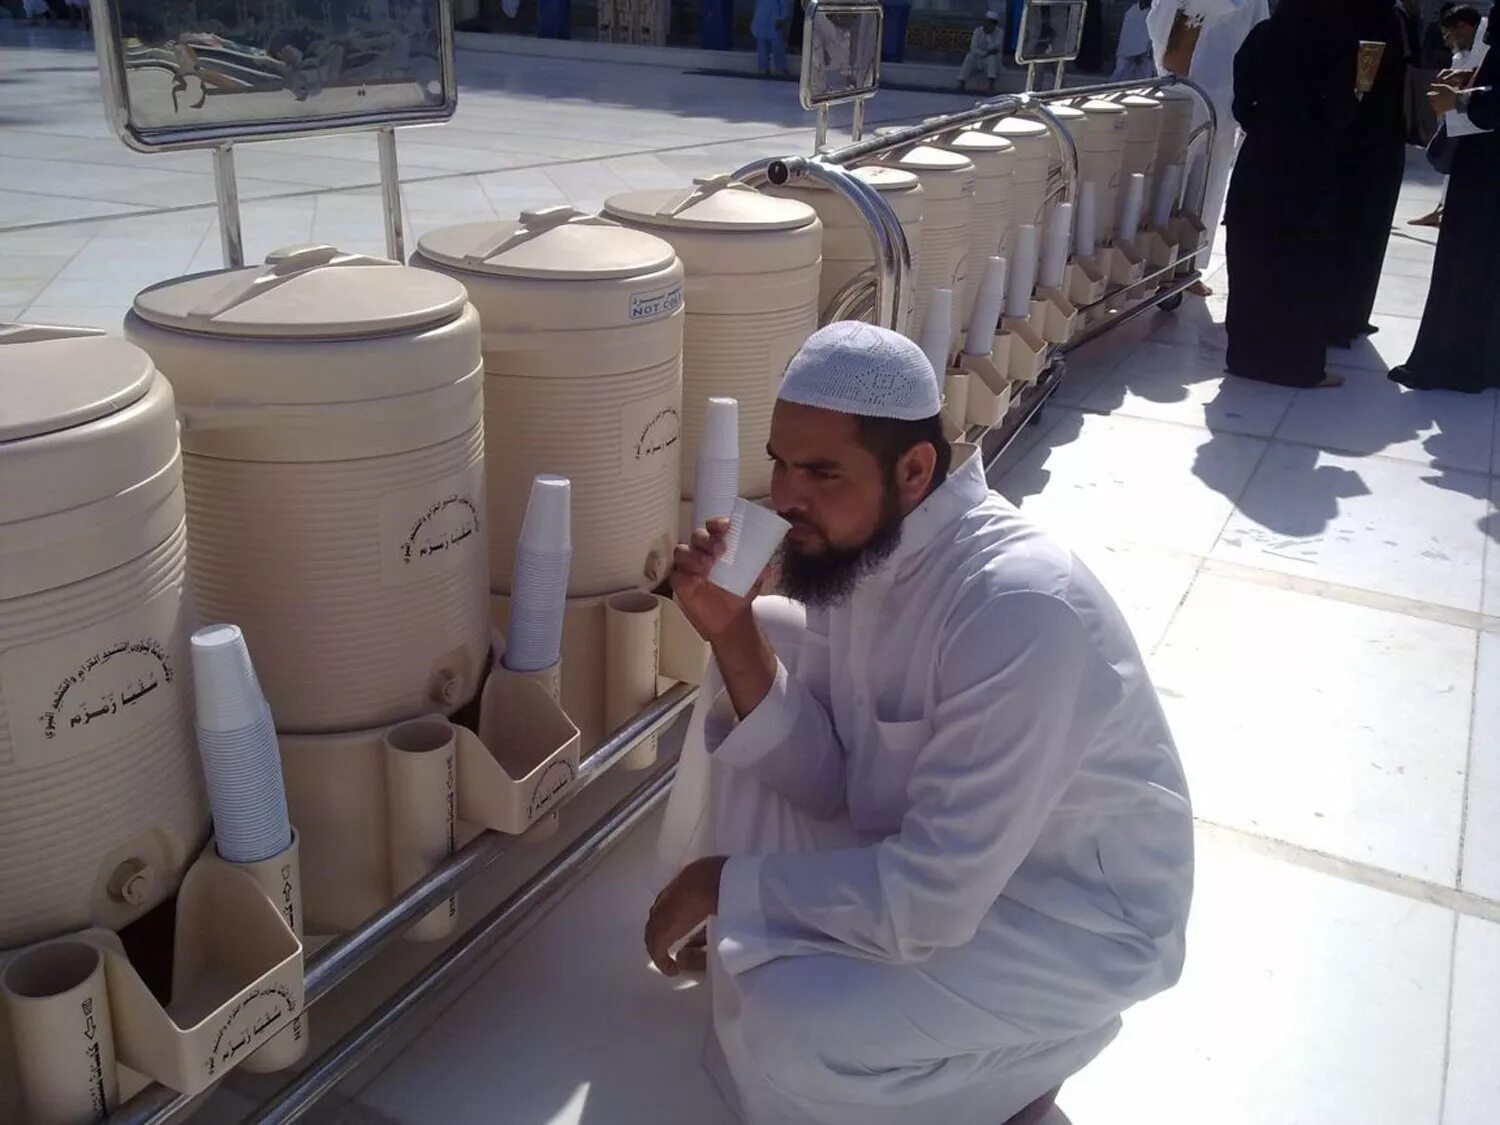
[(964, 489)]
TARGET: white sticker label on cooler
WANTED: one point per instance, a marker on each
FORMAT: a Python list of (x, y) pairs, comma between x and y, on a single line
[(650, 435), (99, 686), (432, 529), (656, 302)]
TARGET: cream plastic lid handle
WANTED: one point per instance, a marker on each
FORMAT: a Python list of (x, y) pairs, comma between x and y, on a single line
[(38, 333), (534, 223), (703, 187), (282, 266)]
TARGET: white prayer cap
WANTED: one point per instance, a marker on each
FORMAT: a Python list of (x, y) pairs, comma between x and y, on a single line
[(992, 16), (856, 368)]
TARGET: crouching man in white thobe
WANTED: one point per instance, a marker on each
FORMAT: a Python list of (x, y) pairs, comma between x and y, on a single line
[(944, 835)]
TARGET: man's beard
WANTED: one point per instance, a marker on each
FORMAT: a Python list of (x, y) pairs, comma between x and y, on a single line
[(829, 578)]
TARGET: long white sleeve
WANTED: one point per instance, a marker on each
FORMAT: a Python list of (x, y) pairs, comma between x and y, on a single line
[(1021, 694), (788, 742)]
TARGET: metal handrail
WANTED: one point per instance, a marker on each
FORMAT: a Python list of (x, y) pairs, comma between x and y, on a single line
[(888, 240), (329, 966)]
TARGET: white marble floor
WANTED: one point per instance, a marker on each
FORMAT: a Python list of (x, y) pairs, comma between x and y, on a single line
[(1314, 575)]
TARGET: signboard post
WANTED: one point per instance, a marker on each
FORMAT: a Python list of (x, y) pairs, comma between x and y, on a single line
[(840, 59), (1051, 32), (186, 74)]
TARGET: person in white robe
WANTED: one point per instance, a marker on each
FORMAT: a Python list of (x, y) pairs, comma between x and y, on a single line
[(1133, 58), (1224, 25), (986, 46), (928, 804)]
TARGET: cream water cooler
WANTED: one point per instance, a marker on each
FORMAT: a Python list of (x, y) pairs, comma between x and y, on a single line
[(994, 160), (103, 810), (847, 252), (1035, 155), (949, 182), (101, 802), (752, 287), (333, 452), (583, 335), (1100, 137)]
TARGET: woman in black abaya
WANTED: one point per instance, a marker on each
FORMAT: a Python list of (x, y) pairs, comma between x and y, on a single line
[(1371, 160), (1293, 94), (1458, 346)]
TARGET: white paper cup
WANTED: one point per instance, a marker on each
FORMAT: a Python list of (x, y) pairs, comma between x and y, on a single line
[(1086, 237), (1132, 204), (754, 535), (548, 526), (936, 337), (226, 693), (721, 431), (1022, 272), (1055, 247), (58, 1006), (980, 338)]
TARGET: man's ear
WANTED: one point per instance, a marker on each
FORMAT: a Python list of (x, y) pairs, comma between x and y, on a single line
[(914, 473)]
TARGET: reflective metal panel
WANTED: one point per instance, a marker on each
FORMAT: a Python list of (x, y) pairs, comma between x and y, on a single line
[(841, 53), (1051, 31), (193, 73)]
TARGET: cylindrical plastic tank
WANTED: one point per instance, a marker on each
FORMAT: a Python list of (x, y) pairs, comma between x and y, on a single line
[(948, 186), (1177, 106), (846, 240), (752, 300), (994, 167), (1143, 121), (1035, 154), (1101, 152), (101, 802), (583, 378), (333, 458)]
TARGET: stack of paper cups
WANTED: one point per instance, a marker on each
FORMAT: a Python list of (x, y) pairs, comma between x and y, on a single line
[(1055, 247), (1132, 204), (980, 338), (237, 743), (539, 582), (1086, 241), (716, 480), (1022, 272), (1168, 183), (936, 339)]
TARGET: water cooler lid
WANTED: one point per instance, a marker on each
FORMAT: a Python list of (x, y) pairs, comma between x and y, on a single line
[(54, 379), (306, 293), (926, 158), (974, 143), (1100, 105), (556, 243), (1066, 113), (1020, 127), (881, 177), (1140, 101), (716, 203)]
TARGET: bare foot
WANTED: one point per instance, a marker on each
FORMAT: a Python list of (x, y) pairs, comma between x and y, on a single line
[(1332, 379), (1198, 289), (1431, 219)]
